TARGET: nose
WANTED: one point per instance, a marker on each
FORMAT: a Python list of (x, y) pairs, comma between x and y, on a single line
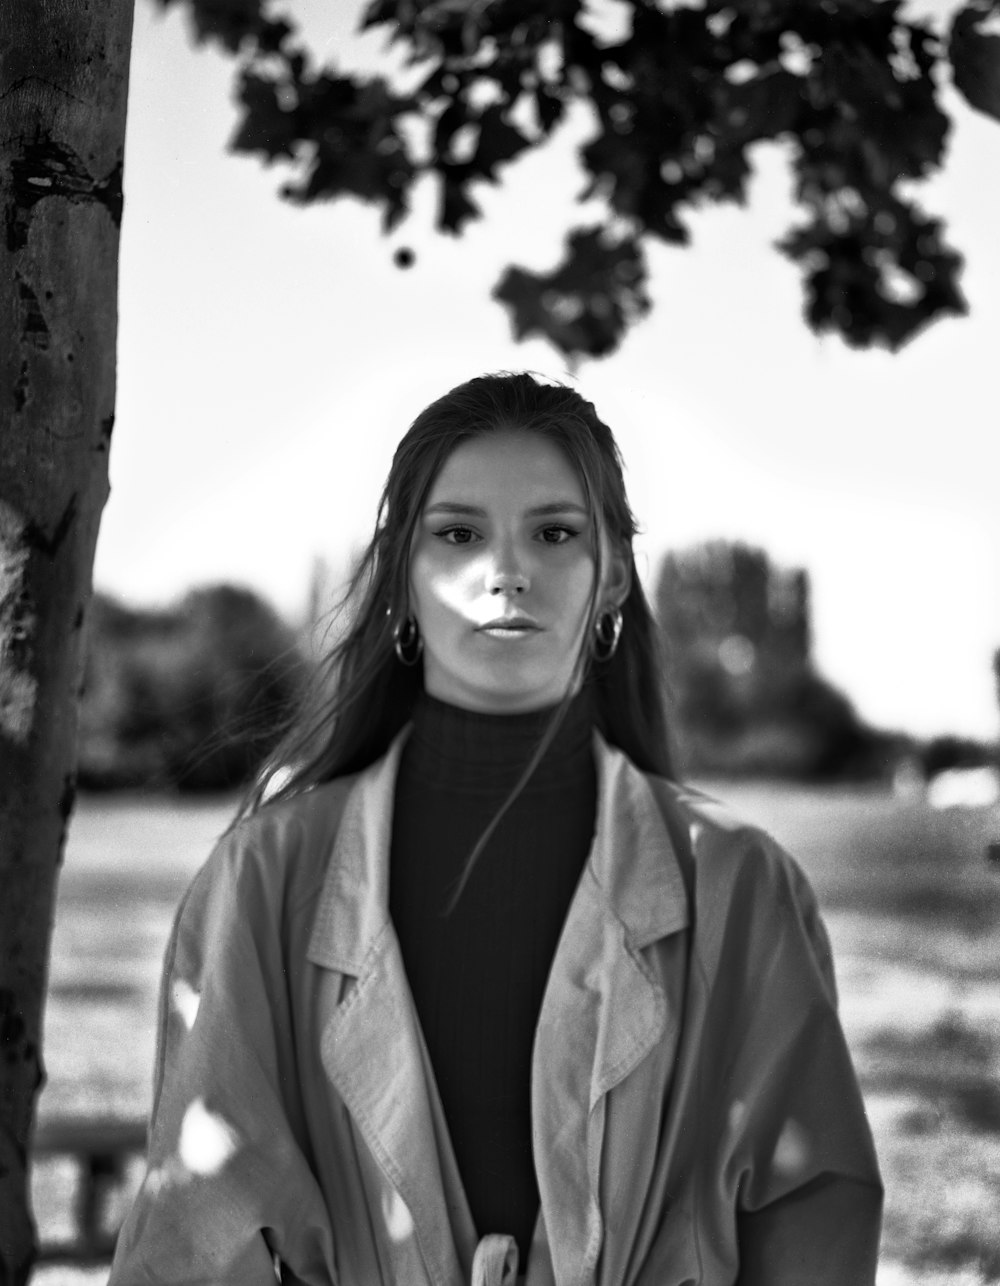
[(508, 583), (506, 569)]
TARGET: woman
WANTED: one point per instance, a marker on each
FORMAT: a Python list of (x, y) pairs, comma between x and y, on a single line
[(479, 987)]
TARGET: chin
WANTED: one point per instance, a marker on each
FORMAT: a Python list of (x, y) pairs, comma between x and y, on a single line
[(497, 688), (523, 696)]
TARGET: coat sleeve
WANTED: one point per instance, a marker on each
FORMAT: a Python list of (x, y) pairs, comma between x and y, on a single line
[(228, 1189), (809, 1195)]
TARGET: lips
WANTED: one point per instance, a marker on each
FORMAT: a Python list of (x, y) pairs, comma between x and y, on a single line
[(523, 623)]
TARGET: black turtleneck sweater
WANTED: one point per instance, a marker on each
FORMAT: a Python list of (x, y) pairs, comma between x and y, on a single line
[(478, 974)]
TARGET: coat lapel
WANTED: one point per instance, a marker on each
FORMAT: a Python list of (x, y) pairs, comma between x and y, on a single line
[(602, 1014), (372, 1048), (603, 1011)]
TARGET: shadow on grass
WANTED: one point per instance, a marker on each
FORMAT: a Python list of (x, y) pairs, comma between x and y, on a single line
[(940, 1150), (950, 1067), (965, 1251), (928, 899), (77, 992)]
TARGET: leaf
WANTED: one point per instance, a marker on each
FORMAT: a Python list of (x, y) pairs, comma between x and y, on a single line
[(378, 12), (585, 305), (266, 127), (975, 58), (581, 50), (764, 107), (878, 276), (229, 22), (355, 147), (632, 177), (433, 86), (499, 141), (457, 207), (550, 107), (451, 120), (896, 124), (273, 34)]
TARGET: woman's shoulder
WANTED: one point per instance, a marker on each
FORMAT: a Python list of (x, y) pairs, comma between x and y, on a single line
[(722, 845), (278, 854), (705, 818), (740, 875), (699, 806), (309, 817)]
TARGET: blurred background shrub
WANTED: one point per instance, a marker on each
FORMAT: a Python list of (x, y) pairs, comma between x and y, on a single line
[(191, 697), (745, 695)]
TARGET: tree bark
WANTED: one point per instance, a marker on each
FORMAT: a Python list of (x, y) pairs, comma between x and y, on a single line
[(63, 85)]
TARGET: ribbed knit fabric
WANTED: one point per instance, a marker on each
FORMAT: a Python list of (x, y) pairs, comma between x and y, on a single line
[(478, 974)]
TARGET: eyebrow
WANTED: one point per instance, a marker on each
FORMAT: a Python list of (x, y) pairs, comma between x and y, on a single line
[(537, 511)]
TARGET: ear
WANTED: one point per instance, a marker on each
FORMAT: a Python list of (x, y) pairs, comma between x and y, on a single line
[(616, 579)]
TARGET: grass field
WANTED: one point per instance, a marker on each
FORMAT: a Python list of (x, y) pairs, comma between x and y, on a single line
[(913, 909)]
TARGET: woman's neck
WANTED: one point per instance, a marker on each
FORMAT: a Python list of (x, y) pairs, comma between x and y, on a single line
[(470, 749)]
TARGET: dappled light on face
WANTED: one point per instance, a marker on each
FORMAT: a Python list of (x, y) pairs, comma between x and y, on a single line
[(791, 1153), (207, 1140), (396, 1213), (186, 1001)]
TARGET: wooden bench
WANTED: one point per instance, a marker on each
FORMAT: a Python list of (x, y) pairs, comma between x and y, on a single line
[(101, 1150)]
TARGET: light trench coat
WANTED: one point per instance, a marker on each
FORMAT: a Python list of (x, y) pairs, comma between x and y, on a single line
[(696, 1118)]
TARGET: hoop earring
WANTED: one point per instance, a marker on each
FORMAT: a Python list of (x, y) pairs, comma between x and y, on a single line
[(407, 642), (607, 632)]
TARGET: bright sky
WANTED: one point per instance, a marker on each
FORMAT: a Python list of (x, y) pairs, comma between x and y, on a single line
[(271, 357)]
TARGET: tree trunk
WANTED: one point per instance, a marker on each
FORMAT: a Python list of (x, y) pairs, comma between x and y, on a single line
[(63, 83)]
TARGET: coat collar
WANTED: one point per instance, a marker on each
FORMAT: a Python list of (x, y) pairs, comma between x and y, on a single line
[(603, 1011), (632, 861), (354, 903)]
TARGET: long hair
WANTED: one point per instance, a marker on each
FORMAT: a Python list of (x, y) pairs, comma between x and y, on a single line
[(362, 696)]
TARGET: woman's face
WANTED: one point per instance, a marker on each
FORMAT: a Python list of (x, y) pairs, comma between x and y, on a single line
[(501, 572)]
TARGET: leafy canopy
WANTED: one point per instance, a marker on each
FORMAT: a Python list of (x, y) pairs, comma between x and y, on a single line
[(677, 99)]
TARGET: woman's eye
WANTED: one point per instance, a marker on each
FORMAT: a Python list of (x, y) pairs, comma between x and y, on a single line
[(556, 535), (457, 535)]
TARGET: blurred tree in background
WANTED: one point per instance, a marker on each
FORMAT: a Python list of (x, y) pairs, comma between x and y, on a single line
[(745, 695), (678, 96), (189, 697)]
